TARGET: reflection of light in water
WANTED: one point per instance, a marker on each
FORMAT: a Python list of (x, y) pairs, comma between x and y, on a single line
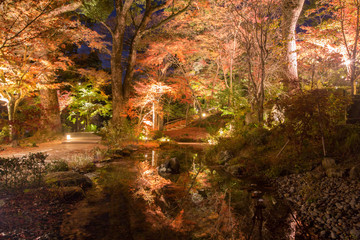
[(194, 162), (292, 225), (153, 158)]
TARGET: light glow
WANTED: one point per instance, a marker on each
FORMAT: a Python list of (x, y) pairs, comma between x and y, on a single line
[(68, 137), (347, 62)]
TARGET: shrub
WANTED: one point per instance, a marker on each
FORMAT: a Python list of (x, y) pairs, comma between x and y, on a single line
[(114, 134), (4, 134), (57, 166), (232, 145), (22, 171), (346, 140), (312, 114), (257, 136)]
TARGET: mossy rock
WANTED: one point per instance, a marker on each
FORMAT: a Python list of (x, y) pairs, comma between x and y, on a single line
[(67, 179), (122, 152)]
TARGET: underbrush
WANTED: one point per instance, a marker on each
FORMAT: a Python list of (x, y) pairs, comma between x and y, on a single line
[(21, 172), (266, 152), (115, 134), (311, 127), (213, 123)]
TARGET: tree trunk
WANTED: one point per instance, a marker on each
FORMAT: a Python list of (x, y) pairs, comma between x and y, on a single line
[(116, 67), (12, 108), (161, 122), (130, 68), (353, 67), (154, 116), (121, 84), (50, 112), (291, 10), (11, 117)]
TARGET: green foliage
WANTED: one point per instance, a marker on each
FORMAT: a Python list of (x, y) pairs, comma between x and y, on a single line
[(4, 134), (23, 171), (174, 110), (257, 136), (58, 166), (346, 140), (88, 101), (239, 103), (233, 145), (91, 128), (115, 134), (98, 10), (312, 114)]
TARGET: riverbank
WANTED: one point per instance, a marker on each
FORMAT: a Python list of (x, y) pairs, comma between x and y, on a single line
[(328, 206)]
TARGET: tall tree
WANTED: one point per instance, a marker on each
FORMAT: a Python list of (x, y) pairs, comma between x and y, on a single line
[(30, 36), (135, 19), (291, 10), (257, 33), (338, 34)]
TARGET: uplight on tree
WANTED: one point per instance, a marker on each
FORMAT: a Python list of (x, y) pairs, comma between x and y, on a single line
[(347, 62)]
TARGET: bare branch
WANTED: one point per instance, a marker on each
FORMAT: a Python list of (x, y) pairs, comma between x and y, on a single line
[(63, 9), (168, 19)]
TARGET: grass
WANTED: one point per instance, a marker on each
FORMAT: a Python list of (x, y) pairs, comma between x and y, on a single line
[(82, 162)]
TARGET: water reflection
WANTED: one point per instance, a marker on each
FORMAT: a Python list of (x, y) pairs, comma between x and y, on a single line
[(201, 202), (261, 217)]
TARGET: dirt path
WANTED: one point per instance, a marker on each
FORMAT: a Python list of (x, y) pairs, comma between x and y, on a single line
[(55, 150)]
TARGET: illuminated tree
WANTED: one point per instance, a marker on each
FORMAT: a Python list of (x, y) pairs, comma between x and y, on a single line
[(338, 34), (88, 101), (291, 10), (318, 65), (257, 33), (31, 35), (146, 105), (133, 20)]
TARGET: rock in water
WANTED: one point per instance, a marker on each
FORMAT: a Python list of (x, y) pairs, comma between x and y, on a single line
[(174, 165), (170, 166)]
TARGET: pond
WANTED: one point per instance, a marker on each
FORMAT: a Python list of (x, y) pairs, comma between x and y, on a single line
[(132, 200)]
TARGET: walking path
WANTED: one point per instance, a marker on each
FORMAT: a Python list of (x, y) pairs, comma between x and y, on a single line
[(60, 149)]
